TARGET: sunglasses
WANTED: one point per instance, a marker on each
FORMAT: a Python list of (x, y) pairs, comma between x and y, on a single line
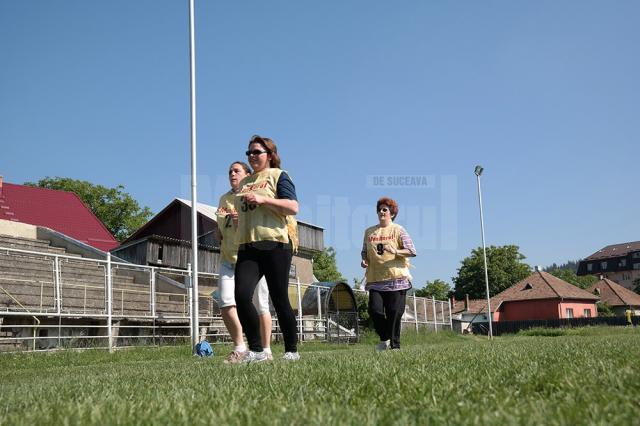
[(256, 152), (383, 209)]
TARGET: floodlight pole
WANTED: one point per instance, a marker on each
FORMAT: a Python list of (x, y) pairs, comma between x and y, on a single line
[(195, 326), (478, 171)]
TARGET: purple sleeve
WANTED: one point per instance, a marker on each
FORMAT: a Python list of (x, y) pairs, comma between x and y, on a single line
[(407, 243)]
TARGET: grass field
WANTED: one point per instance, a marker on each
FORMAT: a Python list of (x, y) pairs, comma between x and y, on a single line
[(584, 376)]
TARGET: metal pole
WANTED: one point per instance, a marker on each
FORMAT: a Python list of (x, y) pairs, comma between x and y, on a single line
[(299, 308), (450, 317), (153, 292), (435, 316), (153, 303), (319, 304), (426, 317), (415, 312), (190, 304), (478, 172), (58, 298), (56, 277), (109, 302), (195, 338)]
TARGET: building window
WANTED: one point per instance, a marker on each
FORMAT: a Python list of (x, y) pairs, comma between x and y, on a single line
[(569, 312), (589, 267), (636, 266), (603, 265), (587, 313), (636, 255), (623, 263)]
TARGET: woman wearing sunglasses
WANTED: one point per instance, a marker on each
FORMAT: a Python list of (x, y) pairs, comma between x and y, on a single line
[(266, 203), (227, 223), (385, 252)]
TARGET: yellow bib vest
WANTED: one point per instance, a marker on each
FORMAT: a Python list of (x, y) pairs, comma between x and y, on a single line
[(228, 245), (260, 223), (385, 266)]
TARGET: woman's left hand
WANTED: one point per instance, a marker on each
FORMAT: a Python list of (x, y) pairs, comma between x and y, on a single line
[(390, 249), (255, 199)]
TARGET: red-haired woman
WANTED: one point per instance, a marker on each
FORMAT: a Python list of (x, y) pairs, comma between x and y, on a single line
[(385, 252), (265, 202)]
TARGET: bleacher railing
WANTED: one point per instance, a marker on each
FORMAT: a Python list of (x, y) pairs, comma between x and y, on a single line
[(64, 301)]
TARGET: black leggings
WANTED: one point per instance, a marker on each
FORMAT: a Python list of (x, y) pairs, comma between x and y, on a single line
[(386, 309), (273, 261)]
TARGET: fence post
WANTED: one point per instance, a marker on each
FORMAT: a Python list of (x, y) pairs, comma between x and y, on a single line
[(435, 317), (192, 332), (153, 303), (426, 317), (450, 316), (56, 278), (109, 303), (153, 292), (58, 293), (415, 311), (299, 308), (319, 303)]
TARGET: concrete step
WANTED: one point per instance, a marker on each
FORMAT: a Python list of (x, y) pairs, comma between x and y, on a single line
[(21, 240), (29, 245), (27, 261), (26, 270), (96, 306), (78, 295)]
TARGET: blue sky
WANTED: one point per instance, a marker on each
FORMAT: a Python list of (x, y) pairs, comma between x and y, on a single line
[(543, 94)]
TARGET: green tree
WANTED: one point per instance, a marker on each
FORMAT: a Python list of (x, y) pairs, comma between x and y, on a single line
[(118, 211), (570, 276), (324, 266), (437, 289), (604, 310), (505, 267), (571, 264)]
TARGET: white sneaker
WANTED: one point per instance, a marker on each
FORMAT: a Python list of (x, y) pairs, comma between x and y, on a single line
[(291, 356), (382, 346), (251, 357)]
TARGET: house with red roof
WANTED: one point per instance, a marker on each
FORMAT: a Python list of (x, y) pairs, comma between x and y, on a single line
[(61, 211), (543, 296), (465, 313), (619, 298)]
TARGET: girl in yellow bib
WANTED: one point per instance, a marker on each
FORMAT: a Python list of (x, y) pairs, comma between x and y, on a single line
[(385, 252), (227, 224), (263, 203)]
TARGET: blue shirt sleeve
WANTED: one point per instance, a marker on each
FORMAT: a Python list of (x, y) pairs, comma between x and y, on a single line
[(285, 188)]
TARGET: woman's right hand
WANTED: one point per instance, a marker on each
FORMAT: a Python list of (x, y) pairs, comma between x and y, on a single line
[(364, 263)]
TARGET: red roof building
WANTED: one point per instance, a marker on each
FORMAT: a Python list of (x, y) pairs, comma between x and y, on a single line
[(58, 210), (617, 297), (543, 296)]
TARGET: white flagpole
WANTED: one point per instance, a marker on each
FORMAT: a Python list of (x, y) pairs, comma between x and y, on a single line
[(478, 171), (195, 326)]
